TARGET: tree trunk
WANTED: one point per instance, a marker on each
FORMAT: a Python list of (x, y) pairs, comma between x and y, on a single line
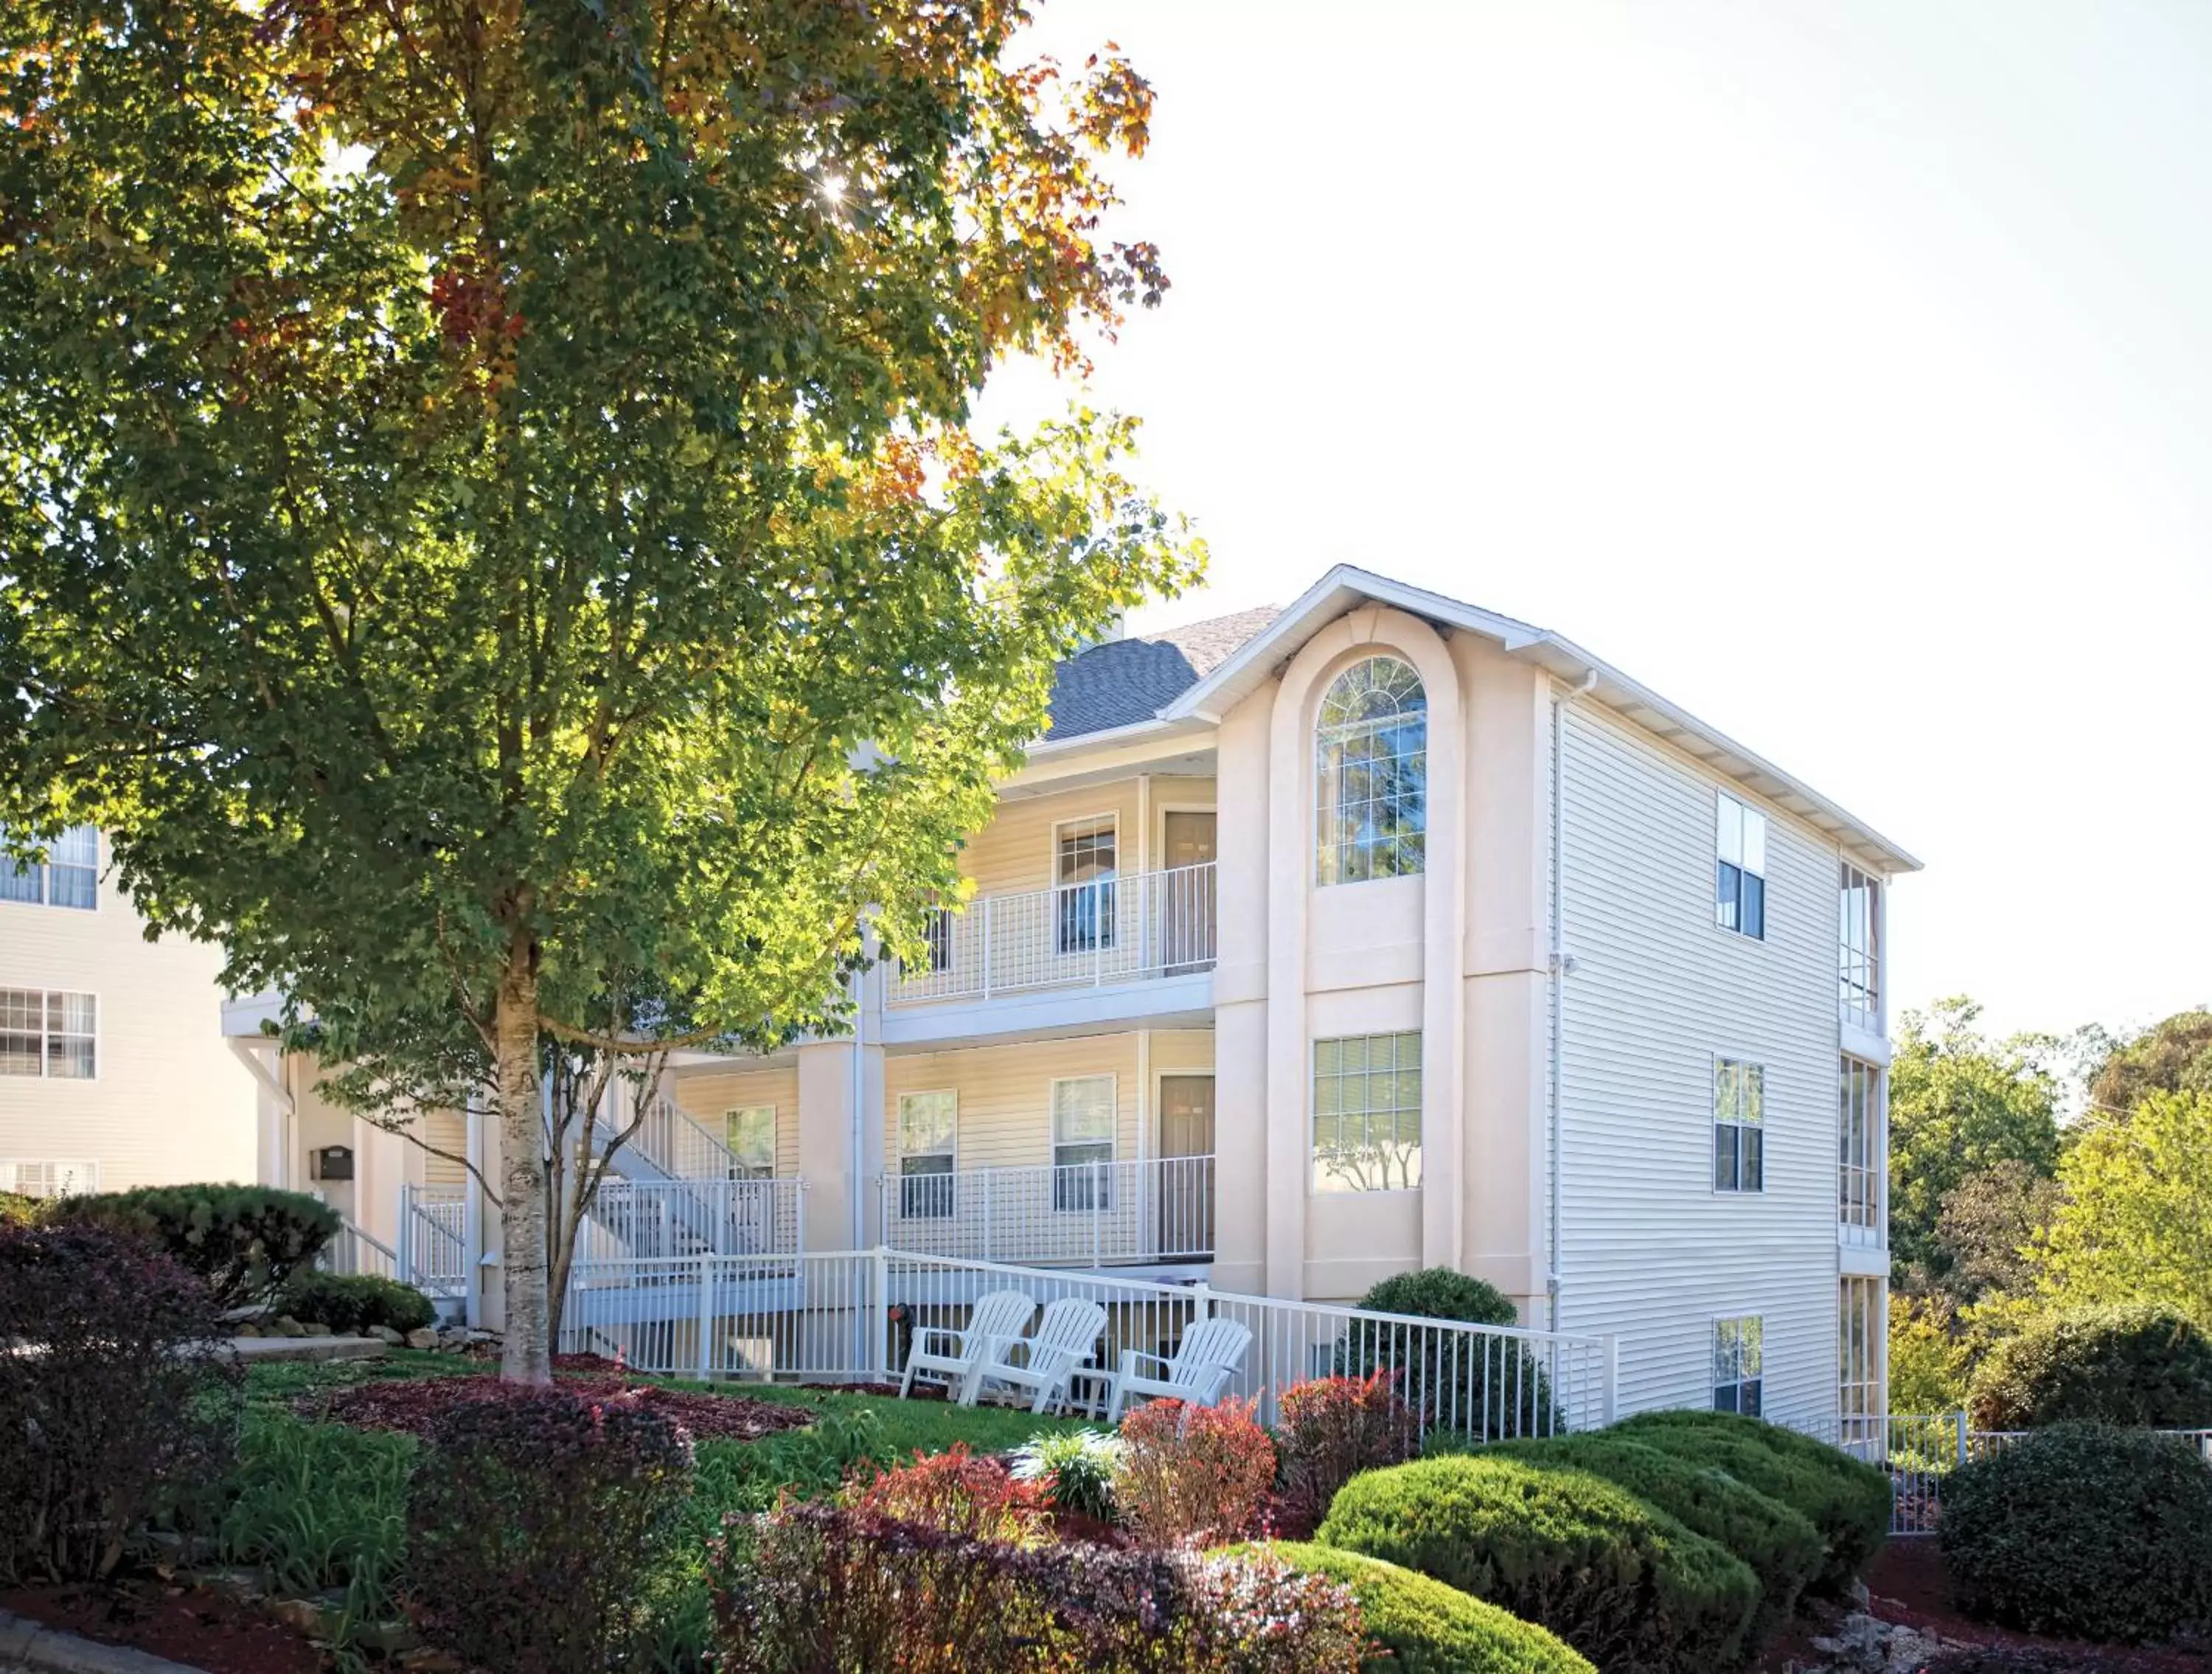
[(526, 1357)]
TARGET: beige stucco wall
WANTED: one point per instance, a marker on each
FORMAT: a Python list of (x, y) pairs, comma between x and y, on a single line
[(708, 1095), (168, 1103)]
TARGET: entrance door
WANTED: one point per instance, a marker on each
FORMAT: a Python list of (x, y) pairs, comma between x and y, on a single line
[(1187, 907), (1185, 1198)]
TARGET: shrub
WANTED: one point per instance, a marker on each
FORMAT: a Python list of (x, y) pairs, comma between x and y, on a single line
[(1484, 1387), (1781, 1545), (1075, 1471), (17, 1210), (2084, 1528), (1623, 1583), (2138, 1364), (114, 1396), (355, 1301), (1847, 1500), (246, 1241), (1331, 1429), (955, 1493), (1194, 1473), (539, 1524), (817, 1589), (1420, 1626)]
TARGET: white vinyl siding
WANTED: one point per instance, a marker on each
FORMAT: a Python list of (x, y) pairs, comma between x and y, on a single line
[(708, 1097), (1649, 1250)]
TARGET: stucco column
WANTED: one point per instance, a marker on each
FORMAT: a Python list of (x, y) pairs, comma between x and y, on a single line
[(836, 1174)]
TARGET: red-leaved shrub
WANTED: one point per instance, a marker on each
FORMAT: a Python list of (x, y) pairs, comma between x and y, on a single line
[(1194, 1474), (1331, 1429), (538, 1524), (114, 1391), (954, 1493)]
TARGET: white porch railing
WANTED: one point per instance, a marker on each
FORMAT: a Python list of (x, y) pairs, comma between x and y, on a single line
[(354, 1251), (433, 1254), (1159, 1210), (660, 1218), (676, 1145), (847, 1317), (1117, 929)]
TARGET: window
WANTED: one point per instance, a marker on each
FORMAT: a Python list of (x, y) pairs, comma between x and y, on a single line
[(1740, 868), (50, 1179), (937, 935), (1739, 1350), (1083, 870), (750, 1132), (1739, 1126), (1860, 1327), (1367, 1113), (1859, 944), (1371, 774), (1081, 1138), (52, 1035), (927, 1126), (69, 876), (1858, 1152)]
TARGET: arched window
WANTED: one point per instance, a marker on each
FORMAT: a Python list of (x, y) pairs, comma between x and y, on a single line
[(1371, 773)]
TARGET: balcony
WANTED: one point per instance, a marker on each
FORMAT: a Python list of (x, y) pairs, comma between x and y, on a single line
[(1085, 1215), (1150, 924)]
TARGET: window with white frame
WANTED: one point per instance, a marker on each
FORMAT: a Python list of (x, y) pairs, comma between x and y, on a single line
[(1858, 1150), (1367, 1113), (48, 1034), (1739, 868), (927, 1130), (1739, 1126), (1858, 897), (1862, 1329), (68, 877), (1739, 1357), (46, 1178), (749, 1131), (1083, 1108), (1371, 774), (1085, 854)]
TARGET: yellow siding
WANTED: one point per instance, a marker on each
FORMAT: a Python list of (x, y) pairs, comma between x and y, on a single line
[(1014, 853), (1182, 1050), (706, 1097), (448, 1130), (1005, 1117)]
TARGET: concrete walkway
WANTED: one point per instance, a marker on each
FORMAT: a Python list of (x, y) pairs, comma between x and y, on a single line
[(307, 1348), (26, 1648)]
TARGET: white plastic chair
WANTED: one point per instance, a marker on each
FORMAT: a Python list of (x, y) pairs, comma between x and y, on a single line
[(956, 1355), (1211, 1352), (1042, 1363)]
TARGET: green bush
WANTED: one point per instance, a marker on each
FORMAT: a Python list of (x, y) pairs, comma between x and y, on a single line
[(1847, 1500), (246, 1241), (17, 1210), (1420, 1626), (1622, 1582), (1783, 1548), (1442, 1293), (2084, 1528), (2137, 1365), (1486, 1389), (355, 1301)]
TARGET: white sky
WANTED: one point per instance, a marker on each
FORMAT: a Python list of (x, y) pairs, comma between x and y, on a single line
[(1843, 372)]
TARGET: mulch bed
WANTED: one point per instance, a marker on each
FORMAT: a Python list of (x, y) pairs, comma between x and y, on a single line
[(193, 1625), (414, 1407)]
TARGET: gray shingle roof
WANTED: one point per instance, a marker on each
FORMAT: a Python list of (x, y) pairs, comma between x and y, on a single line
[(1128, 680)]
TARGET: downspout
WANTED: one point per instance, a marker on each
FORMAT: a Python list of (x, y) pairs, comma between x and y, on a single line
[(1561, 965), (859, 1192)]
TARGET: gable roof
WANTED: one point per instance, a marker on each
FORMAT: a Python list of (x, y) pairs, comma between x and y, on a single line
[(1124, 682), (1239, 659)]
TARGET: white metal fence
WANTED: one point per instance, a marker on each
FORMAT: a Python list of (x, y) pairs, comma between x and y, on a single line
[(354, 1252), (1157, 1209), (432, 1253), (848, 1317), (1145, 924), (676, 1145), (663, 1218)]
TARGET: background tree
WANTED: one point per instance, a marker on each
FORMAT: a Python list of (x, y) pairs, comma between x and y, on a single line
[(2172, 1056), (1959, 1104), (1987, 1227), (486, 495), (2134, 1221)]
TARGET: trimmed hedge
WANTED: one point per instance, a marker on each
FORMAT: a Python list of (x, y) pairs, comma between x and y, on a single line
[(1621, 1581), (246, 1241), (1845, 1499), (353, 1302), (1783, 1548), (1442, 1293), (1420, 1626), (2138, 1364), (1499, 1391), (2086, 1530)]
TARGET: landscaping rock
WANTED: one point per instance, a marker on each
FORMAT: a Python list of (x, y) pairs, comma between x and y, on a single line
[(1865, 1645), (315, 1328), (285, 1325), (421, 1337), (245, 1331), (385, 1334)]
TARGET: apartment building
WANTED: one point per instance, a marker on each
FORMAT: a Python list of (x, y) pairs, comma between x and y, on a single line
[(1311, 945), (112, 1073)]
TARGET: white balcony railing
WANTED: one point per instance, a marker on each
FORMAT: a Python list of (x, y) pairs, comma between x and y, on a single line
[(649, 1219), (1117, 929), (1094, 1215), (674, 1144), (432, 1253), (354, 1251)]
